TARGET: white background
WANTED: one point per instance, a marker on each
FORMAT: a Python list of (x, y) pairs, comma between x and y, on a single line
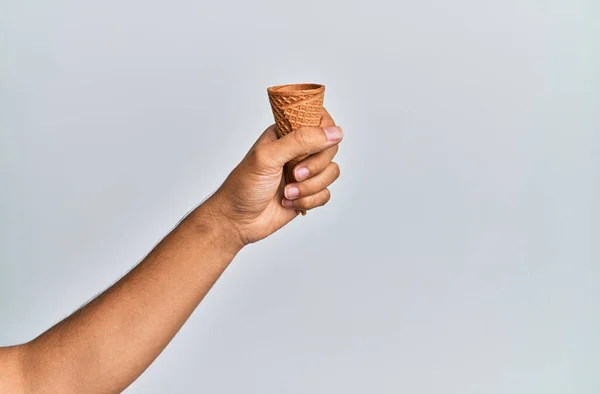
[(459, 253)]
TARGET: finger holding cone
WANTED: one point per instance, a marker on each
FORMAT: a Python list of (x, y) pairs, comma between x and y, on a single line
[(295, 106)]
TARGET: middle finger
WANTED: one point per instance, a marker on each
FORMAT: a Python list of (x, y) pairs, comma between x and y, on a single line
[(314, 164)]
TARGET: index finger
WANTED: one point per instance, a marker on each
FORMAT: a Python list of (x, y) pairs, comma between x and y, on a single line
[(326, 119)]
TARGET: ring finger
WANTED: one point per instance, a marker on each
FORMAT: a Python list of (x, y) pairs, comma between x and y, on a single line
[(310, 202)]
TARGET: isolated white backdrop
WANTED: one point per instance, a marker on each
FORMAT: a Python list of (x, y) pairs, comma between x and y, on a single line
[(459, 253)]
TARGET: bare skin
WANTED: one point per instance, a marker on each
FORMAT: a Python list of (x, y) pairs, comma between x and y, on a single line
[(107, 344)]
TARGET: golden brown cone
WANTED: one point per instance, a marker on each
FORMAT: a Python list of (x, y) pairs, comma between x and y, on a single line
[(295, 106)]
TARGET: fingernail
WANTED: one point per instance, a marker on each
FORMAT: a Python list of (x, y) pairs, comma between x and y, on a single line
[(333, 133), (286, 203), (291, 192), (301, 173)]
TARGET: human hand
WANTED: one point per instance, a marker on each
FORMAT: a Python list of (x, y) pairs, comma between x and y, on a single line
[(255, 199)]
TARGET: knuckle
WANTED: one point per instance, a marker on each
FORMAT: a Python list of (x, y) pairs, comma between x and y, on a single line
[(316, 200), (336, 169), (252, 156), (303, 203), (303, 139), (300, 137), (257, 155), (261, 157), (323, 182), (326, 196)]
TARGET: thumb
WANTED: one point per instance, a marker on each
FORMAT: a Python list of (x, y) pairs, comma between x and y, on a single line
[(303, 142)]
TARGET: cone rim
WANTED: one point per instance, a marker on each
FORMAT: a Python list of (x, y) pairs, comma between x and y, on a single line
[(296, 89)]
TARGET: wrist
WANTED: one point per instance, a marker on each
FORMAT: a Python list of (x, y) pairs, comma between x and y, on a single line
[(209, 220)]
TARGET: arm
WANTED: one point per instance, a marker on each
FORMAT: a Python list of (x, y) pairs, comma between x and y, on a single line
[(106, 345)]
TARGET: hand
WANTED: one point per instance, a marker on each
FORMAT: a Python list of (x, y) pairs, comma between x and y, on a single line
[(255, 199)]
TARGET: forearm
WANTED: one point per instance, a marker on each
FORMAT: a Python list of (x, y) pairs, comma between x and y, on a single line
[(107, 344)]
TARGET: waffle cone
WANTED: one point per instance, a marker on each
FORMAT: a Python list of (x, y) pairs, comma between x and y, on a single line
[(295, 106)]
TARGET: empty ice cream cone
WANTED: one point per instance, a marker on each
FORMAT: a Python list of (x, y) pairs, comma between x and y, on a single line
[(295, 106)]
